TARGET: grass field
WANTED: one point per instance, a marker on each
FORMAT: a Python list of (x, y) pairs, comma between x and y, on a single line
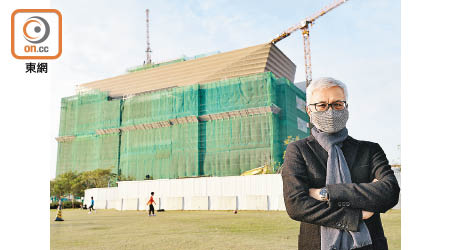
[(111, 229)]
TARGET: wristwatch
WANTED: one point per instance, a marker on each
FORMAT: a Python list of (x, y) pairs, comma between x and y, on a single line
[(324, 194)]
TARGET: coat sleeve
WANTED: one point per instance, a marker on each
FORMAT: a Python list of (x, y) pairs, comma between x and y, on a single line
[(301, 207), (375, 197)]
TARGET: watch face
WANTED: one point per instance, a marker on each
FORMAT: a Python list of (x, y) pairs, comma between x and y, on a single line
[(323, 192)]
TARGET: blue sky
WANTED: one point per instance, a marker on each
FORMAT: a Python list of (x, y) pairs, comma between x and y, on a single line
[(357, 43)]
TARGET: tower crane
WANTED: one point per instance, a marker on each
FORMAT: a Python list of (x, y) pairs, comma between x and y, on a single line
[(304, 25)]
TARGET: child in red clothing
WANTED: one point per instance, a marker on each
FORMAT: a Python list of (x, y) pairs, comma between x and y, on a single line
[(150, 202)]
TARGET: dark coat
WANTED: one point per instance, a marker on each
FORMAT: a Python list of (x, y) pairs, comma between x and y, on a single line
[(305, 166)]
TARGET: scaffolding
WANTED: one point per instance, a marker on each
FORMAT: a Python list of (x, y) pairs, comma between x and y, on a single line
[(219, 128)]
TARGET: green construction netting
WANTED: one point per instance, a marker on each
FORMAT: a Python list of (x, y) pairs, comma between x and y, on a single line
[(219, 147), (86, 153), (149, 66), (287, 95), (83, 114), (235, 145), (167, 152), (237, 93), (182, 59), (160, 105)]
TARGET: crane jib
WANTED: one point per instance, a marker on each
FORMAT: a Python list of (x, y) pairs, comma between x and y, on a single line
[(306, 22)]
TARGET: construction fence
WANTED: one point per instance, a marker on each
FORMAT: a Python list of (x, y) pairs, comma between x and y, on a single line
[(255, 192), (215, 129)]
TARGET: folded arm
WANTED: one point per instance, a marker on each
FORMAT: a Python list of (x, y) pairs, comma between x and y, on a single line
[(301, 207), (375, 197)]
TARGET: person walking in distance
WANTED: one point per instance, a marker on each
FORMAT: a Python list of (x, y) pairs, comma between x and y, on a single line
[(151, 211), (91, 207)]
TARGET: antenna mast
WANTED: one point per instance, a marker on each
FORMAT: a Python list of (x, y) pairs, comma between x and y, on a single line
[(148, 50)]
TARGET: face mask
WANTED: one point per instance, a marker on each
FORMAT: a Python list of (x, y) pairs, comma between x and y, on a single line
[(330, 121)]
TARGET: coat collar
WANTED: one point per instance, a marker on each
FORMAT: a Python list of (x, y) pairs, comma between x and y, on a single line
[(349, 148)]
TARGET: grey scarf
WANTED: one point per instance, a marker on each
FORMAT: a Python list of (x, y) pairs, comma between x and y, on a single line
[(338, 172)]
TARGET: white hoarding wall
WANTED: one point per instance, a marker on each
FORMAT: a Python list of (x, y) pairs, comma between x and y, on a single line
[(102, 197), (204, 193), (198, 203), (255, 192)]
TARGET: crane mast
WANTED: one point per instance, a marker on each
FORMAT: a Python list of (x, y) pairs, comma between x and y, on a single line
[(307, 53)]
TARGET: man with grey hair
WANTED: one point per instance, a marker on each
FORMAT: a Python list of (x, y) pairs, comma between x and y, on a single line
[(335, 185)]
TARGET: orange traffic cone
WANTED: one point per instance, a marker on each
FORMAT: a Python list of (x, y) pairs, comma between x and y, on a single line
[(59, 215)]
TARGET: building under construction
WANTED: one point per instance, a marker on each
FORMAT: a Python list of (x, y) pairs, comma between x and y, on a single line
[(211, 115)]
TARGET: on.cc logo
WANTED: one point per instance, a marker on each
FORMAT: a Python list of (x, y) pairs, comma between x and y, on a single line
[(36, 29), (36, 34)]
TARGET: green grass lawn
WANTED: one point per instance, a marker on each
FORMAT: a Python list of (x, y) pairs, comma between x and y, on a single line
[(111, 229)]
